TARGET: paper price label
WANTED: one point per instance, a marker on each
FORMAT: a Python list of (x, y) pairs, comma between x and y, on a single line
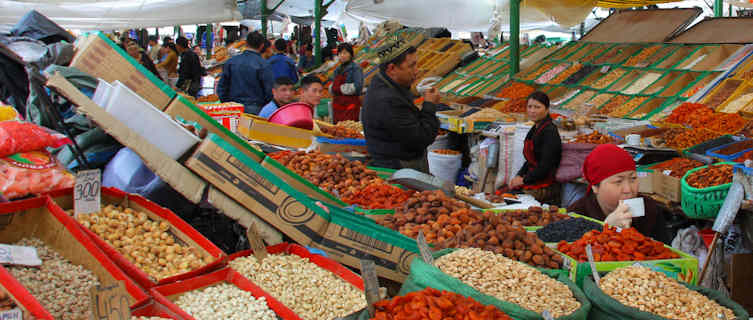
[(256, 243), (591, 262), (19, 255), (667, 172), (370, 284), (605, 69), (110, 302), (86, 192), (12, 314), (423, 247)]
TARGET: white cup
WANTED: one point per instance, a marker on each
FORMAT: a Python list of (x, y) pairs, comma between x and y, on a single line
[(633, 139), (637, 206)]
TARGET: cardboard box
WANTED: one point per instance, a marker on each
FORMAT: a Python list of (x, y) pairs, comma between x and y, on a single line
[(173, 173), (29, 306), (300, 183), (740, 279), (257, 128), (101, 58), (260, 191), (179, 229), (40, 218), (181, 107), (668, 187), (646, 181), (244, 217)]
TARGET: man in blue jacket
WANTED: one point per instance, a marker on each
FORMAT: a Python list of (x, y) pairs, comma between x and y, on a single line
[(281, 64), (247, 78)]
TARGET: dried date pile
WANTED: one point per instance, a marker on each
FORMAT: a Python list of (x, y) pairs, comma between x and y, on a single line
[(332, 173)]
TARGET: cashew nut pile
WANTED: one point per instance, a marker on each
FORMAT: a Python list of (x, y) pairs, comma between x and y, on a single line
[(650, 291), (225, 301), (509, 280), (145, 243), (311, 292), (61, 287)]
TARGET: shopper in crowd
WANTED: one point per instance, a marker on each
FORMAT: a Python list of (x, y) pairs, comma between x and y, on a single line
[(346, 86), (154, 48), (612, 177), (266, 50), (197, 51), (247, 78), (168, 67), (292, 49), (306, 61), (190, 70), (542, 151), (167, 40), (134, 51), (397, 130), (281, 64), (282, 94)]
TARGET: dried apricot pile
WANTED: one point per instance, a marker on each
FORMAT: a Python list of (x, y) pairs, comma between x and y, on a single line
[(611, 245)]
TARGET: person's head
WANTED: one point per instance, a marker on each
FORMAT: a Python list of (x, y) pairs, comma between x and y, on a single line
[(538, 106), (133, 50), (281, 45), (345, 52), (181, 44), (266, 49), (197, 49), (166, 40), (311, 92), (153, 41), (611, 175), (308, 50), (403, 68), (283, 91), (169, 47), (255, 41)]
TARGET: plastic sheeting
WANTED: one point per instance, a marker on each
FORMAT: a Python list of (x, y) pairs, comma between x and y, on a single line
[(118, 14)]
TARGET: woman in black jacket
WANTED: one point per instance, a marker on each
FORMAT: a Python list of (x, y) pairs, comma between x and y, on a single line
[(542, 151)]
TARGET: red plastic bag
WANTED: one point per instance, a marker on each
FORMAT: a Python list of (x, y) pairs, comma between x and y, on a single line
[(33, 172), (17, 136)]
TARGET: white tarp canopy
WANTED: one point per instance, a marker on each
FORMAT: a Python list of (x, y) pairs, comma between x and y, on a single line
[(121, 14)]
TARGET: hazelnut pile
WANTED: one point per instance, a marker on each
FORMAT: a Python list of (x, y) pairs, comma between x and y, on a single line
[(147, 244)]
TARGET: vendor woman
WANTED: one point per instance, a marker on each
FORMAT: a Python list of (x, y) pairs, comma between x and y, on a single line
[(612, 177), (542, 151)]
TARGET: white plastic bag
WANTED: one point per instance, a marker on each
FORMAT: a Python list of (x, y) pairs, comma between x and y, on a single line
[(445, 166)]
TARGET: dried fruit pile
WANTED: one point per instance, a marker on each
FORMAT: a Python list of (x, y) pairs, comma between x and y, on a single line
[(566, 74), (341, 132), (650, 291), (379, 195), (681, 138), (332, 173), (746, 156), (610, 245), (677, 167), (513, 106), (614, 104), (593, 138), (642, 56), (735, 148), (534, 216), (606, 80), (710, 176), (700, 116), (516, 90), (433, 304), (627, 107), (567, 230)]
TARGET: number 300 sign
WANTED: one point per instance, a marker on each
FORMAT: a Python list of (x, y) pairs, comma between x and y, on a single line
[(86, 193)]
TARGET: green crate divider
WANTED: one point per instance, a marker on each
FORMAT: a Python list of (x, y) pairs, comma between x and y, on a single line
[(583, 45), (603, 103), (663, 46), (487, 75), (472, 67), (609, 48), (489, 83), (671, 53), (464, 78), (615, 95), (588, 49), (467, 89), (566, 47), (674, 66), (629, 71), (667, 102), (671, 83)]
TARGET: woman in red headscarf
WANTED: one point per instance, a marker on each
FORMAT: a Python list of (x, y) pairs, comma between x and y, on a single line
[(612, 177)]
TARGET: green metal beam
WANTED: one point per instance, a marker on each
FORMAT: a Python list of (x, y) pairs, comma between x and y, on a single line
[(209, 43), (515, 36), (318, 31), (718, 8), (265, 12)]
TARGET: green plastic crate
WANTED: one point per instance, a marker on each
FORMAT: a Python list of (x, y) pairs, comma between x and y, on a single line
[(703, 203)]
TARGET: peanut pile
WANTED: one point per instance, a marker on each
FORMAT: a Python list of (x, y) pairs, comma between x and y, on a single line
[(510, 281), (225, 301), (145, 243), (311, 292), (650, 291)]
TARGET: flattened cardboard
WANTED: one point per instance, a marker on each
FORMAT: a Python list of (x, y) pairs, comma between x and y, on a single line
[(181, 179), (256, 128), (654, 25), (244, 217), (668, 187), (718, 30), (257, 189), (101, 58), (181, 107)]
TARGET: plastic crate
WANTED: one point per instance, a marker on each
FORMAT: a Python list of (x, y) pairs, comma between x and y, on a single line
[(698, 152), (713, 152), (703, 203)]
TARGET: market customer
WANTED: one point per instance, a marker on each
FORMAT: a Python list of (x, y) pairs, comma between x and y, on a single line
[(282, 94), (154, 48), (612, 177), (397, 130), (169, 65), (247, 78), (190, 70), (346, 86), (134, 51), (306, 61), (281, 64), (266, 50), (542, 150)]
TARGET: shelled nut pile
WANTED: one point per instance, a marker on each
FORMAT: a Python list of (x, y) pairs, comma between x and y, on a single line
[(311, 292), (225, 301), (146, 243), (650, 291), (510, 281), (60, 286)]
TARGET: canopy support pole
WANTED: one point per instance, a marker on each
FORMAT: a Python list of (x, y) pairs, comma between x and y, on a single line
[(718, 8), (320, 10), (515, 36), (208, 39), (265, 12)]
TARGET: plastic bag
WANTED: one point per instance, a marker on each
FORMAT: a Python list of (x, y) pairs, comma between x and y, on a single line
[(571, 165), (445, 166), (33, 172), (16, 137)]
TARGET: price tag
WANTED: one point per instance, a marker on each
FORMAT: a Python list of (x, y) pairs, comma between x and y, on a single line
[(667, 172), (110, 302), (86, 194), (256, 243), (590, 255), (18, 255), (605, 69), (370, 283), (426, 253), (12, 314)]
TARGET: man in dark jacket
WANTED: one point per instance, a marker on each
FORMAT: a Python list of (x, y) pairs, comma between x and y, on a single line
[(189, 71), (397, 130), (281, 64), (247, 78)]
